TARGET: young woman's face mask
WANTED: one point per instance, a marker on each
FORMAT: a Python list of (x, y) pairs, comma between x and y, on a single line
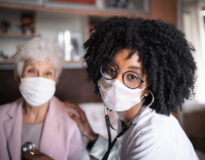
[(123, 82), (117, 97)]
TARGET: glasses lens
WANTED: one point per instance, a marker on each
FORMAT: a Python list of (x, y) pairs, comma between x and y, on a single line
[(131, 80), (108, 71)]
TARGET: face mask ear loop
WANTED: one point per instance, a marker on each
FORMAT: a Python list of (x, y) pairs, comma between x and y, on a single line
[(107, 120)]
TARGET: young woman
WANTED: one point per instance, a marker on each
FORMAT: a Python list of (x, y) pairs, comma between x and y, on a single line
[(143, 70)]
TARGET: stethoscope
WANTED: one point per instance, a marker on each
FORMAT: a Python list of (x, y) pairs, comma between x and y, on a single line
[(108, 125)]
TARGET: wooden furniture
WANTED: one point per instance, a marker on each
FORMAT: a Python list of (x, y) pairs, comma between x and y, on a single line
[(158, 9), (73, 84)]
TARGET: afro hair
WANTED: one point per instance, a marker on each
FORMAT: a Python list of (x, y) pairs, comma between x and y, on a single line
[(164, 52)]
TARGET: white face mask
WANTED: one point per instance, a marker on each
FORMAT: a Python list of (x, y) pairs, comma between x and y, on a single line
[(117, 97), (37, 90)]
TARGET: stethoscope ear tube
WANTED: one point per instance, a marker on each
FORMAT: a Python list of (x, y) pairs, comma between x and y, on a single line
[(108, 130), (105, 157), (107, 120), (110, 143)]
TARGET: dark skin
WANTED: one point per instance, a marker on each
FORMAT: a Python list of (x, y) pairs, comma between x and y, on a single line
[(124, 64)]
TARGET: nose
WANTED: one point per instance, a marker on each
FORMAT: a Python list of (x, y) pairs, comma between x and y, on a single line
[(39, 74), (119, 77)]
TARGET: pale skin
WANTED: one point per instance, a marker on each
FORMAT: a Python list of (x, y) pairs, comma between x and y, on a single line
[(124, 64), (36, 115)]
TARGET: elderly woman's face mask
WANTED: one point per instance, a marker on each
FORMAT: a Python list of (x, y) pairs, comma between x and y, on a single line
[(37, 84)]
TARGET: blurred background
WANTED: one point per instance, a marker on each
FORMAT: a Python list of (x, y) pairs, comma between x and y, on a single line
[(68, 23)]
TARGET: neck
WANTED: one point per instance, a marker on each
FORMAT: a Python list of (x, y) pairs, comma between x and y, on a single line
[(128, 115), (34, 115)]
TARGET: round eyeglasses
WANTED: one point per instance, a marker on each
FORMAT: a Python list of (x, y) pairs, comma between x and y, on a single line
[(130, 78)]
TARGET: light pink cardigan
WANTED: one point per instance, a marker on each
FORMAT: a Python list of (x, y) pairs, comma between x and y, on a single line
[(61, 138)]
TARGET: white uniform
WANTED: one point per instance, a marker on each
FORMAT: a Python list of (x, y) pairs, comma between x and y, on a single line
[(152, 136)]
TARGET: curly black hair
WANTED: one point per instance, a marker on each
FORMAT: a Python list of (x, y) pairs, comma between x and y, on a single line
[(164, 52)]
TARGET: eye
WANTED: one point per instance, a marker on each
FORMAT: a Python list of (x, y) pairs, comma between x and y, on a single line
[(48, 73), (31, 71), (111, 70), (132, 77)]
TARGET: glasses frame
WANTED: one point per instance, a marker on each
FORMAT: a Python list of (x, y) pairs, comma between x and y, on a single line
[(123, 74)]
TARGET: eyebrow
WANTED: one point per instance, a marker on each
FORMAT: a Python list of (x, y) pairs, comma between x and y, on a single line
[(134, 67), (30, 65), (51, 68)]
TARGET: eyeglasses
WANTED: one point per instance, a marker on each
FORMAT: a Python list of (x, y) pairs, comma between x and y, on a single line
[(130, 78)]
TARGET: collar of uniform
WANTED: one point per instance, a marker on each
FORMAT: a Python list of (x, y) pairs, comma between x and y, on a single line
[(144, 110)]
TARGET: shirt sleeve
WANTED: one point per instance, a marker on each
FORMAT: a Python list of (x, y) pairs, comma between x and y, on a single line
[(100, 147)]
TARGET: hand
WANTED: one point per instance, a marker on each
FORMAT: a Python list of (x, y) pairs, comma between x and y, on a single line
[(37, 156), (93, 158), (82, 122)]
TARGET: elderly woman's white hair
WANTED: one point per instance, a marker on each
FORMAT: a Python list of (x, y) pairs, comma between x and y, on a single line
[(39, 49)]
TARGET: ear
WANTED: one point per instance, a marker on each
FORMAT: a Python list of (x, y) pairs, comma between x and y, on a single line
[(17, 79), (57, 80)]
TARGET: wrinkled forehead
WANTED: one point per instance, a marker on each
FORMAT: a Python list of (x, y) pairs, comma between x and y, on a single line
[(46, 63)]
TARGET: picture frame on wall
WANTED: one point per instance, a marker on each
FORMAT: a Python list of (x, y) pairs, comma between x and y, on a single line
[(72, 44)]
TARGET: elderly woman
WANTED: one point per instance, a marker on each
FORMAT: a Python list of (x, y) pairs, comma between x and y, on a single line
[(39, 117), (143, 69)]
